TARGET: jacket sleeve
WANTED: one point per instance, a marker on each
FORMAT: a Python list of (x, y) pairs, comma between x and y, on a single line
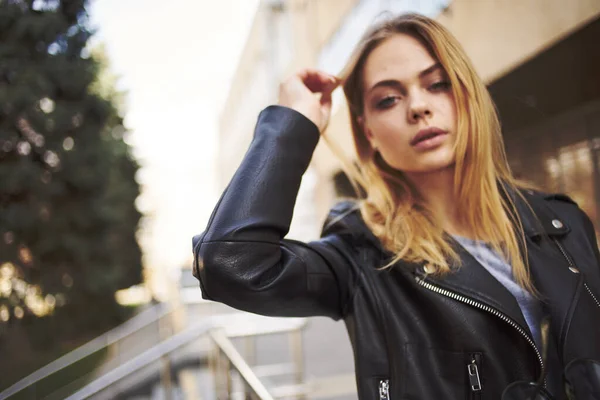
[(243, 260)]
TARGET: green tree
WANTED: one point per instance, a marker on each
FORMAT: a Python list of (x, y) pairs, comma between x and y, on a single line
[(67, 178)]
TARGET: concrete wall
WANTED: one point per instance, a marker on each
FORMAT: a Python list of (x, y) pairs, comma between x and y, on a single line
[(499, 35)]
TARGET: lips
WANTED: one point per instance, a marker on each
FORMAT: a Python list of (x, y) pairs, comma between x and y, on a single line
[(425, 134)]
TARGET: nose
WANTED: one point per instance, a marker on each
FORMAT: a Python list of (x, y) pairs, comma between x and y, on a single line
[(418, 109)]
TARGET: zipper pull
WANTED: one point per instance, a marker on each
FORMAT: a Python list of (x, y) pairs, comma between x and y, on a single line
[(384, 389), (474, 380)]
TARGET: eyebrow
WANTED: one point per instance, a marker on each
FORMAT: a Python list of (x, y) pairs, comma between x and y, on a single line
[(396, 84)]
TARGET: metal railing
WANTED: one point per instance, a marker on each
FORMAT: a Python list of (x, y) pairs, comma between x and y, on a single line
[(219, 329), (105, 340), (230, 326), (222, 367), (253, 387), (146, 358)]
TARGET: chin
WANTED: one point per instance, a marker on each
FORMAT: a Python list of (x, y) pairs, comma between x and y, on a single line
[(442, 159), (431, 168), (434, 161)]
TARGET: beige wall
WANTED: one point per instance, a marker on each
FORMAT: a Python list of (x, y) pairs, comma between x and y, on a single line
[(239, 108), (329, 15), (499, 35)]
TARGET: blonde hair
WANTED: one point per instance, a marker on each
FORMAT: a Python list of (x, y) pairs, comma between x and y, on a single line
[(391, 207)]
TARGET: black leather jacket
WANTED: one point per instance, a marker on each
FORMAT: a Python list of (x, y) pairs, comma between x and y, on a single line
[(413, 336)]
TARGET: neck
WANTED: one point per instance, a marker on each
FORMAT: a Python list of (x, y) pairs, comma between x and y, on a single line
[(437, 191)]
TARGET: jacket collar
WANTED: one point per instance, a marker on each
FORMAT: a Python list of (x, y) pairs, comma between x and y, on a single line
[(472, 280), (536, 217)]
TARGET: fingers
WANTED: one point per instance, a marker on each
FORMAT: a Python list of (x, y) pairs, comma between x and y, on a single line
[(326, 96), (317, 81), (309, 92)]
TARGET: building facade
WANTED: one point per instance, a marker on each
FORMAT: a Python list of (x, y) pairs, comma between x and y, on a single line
[(540, 61)]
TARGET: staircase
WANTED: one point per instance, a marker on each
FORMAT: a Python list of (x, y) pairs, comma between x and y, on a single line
[(205, 350)]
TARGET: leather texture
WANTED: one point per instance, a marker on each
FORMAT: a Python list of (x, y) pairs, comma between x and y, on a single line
[(417, 331)]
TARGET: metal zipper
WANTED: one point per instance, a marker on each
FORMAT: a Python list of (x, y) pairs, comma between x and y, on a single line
[(384, 389), (591, 294), (575, 269), (488, 309), (474, 378)]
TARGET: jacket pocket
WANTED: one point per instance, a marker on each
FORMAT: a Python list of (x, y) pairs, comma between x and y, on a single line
[(442, 374)]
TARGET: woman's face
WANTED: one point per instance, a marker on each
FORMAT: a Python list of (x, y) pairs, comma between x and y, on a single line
[(409, 110)]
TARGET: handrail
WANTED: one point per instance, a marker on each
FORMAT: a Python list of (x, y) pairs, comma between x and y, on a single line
[(148, 357), (120, 332), (236, 359), (225, 323)]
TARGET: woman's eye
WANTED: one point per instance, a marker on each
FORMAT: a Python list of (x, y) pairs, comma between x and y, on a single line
[(440, 86), (386, 102)]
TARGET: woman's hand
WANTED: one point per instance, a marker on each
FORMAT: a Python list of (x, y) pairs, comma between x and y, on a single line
[(309, 92)]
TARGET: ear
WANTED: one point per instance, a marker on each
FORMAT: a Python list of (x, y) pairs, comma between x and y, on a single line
[(367, 131)]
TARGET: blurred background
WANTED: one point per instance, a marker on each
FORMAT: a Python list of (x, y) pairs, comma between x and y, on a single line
[(121, 121)]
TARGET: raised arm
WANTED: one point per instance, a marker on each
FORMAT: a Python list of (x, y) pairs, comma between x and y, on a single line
[(242, 259)]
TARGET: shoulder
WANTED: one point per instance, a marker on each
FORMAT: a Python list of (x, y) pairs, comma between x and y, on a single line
[(560, 199), (345, 220), (550, 199), (344, 217), (561, 204)]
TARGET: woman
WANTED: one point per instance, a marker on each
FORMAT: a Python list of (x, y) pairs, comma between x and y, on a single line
[(448, 269)]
